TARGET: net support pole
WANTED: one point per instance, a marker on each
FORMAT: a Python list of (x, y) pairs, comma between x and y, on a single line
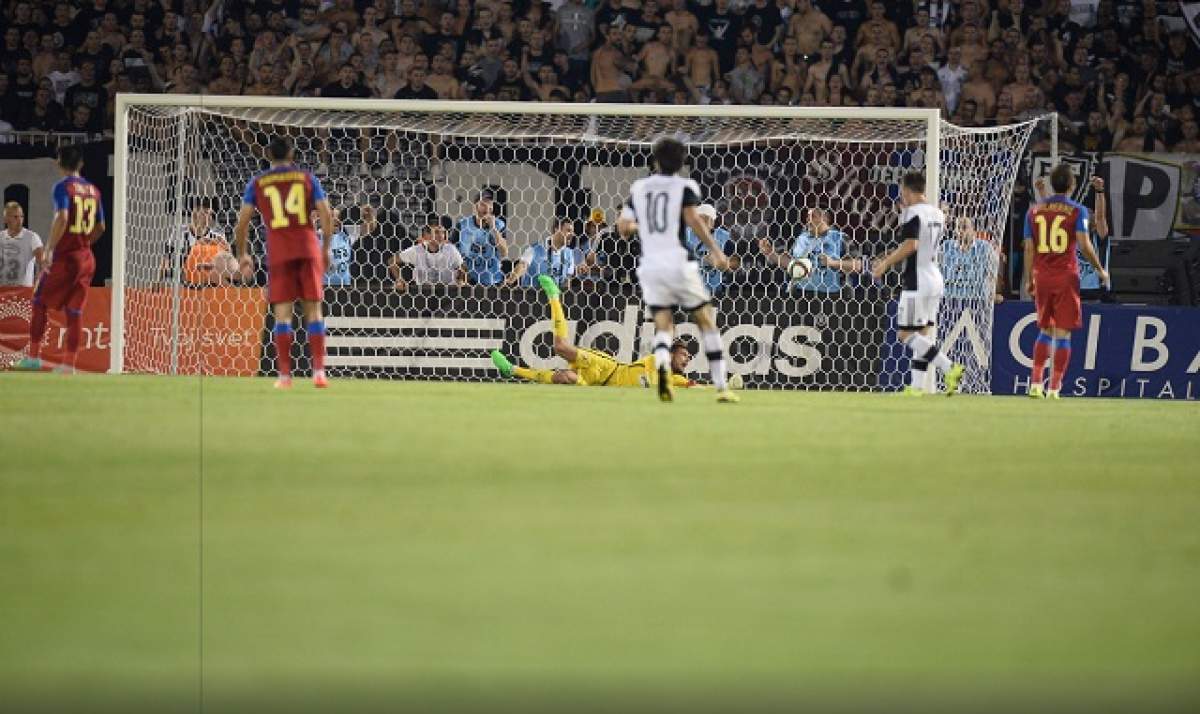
[(1054, 139), (116, 354), (933, 177), (177, 285)]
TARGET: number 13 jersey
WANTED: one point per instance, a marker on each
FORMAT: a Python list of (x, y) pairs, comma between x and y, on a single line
[(81, 200), (656, 203)]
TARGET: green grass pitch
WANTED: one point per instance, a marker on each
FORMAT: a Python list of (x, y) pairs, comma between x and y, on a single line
[(426, 546)]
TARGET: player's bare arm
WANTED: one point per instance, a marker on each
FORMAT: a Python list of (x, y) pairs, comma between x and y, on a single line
[(1089, 254), (1100, 213), (715, 255), (326, 215), (1027, 269), (241, 234), (904, 250), (57, 228)]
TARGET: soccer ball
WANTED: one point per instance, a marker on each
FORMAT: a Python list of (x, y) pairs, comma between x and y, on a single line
[(799, 269)]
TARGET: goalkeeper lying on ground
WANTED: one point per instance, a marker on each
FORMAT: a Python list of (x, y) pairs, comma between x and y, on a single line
[(592, 367)]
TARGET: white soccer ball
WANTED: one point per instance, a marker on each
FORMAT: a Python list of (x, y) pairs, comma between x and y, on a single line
[(799, 269)]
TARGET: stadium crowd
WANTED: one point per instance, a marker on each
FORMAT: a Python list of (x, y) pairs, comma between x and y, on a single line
[(1123, 74)]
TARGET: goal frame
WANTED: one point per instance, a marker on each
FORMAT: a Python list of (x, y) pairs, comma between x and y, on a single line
[(930, 117)]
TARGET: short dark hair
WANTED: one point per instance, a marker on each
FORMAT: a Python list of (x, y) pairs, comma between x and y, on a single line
[(914, 181), (668, 155), (1061, 178), (70, 157), (680, 345), (279, 149)]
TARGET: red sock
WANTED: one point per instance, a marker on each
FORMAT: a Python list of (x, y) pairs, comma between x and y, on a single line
[(1041, 353), (1062, 357), (37, 330), (74, 332), (283, 350), (316, 343)]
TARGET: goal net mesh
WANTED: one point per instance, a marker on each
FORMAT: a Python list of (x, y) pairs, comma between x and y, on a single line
[(392, 175)]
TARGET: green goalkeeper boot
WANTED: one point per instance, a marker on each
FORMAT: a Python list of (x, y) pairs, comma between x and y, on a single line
[(549, 287), (502, 363)]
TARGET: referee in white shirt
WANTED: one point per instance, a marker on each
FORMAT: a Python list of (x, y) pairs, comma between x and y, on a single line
[(20, 249)]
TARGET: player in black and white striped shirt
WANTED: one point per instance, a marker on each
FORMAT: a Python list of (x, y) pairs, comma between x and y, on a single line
[(921, 228), (659, 209)]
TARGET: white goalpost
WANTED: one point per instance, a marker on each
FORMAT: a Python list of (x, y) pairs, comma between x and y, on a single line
[(392, 168)]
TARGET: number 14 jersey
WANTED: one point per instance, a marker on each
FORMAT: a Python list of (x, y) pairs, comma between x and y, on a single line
[(284, 196)]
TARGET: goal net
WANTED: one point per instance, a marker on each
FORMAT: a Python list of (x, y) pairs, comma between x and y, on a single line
[(785, 182)]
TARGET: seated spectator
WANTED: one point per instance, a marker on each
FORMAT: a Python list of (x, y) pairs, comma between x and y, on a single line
[(341, 244), (822, 244), (553, 256), (432, 261), (712, 277), (481, 241), (43, 114), (966, 259), (207, 258)]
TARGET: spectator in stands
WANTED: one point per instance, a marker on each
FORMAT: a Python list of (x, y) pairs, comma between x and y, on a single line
[(611, 68), (347, 85), (416, 87), (88, 94), (432, 261), (43, 114), (345, 236), (481, 241), (21, 251), (553, 257), (702, 68), (822, 244)]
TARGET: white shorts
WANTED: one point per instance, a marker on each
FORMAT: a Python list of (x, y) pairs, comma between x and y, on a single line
[(672, 286), (917, 311)]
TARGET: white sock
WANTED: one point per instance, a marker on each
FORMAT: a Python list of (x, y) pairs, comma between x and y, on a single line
[(662, 350), (716, 357), (923, 348), (317, 373), (918, 369)]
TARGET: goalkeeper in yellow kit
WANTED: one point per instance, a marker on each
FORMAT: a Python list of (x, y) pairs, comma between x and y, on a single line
[(592, 368)]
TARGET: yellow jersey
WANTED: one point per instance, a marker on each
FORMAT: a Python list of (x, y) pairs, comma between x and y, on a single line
[(600, 369)]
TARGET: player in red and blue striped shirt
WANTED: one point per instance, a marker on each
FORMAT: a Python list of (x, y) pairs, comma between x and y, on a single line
[(296, 263), (1053, 228), (78, 222)]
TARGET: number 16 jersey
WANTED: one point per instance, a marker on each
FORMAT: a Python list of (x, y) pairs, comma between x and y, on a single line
[(1052, 227), (284, 196)]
